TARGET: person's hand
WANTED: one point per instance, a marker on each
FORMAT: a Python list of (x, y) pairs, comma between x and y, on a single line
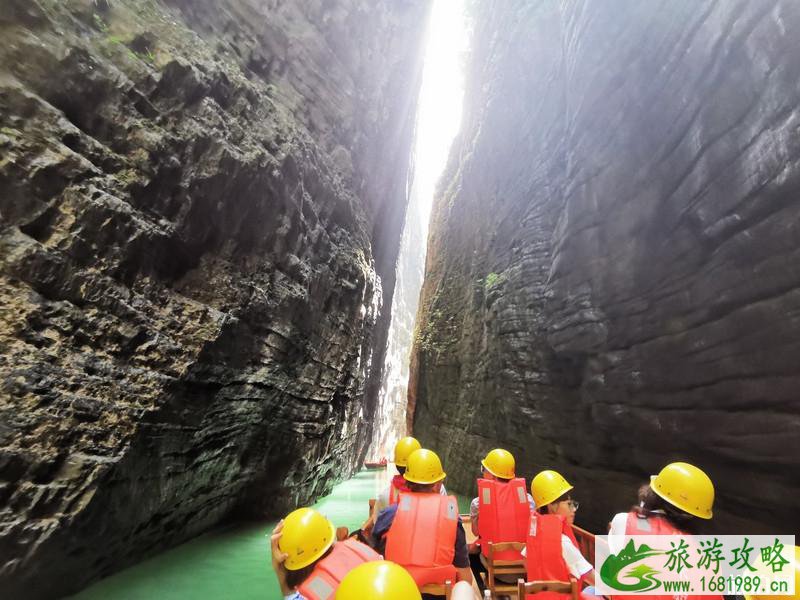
[(278, 557)]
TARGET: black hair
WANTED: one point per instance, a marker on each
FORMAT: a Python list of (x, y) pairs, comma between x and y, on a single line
[(400, 469), (650, 502), (420, 487), (543, 509), (296, 578), (484, 470)]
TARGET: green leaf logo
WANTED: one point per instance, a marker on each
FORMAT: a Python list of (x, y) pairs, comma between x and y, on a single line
[(644, 575)]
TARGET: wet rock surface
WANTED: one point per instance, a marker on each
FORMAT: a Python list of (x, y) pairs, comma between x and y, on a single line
[(200, 212), (612, 279)]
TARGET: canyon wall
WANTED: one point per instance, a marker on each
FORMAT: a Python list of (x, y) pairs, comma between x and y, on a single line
[(201, 205), (612, 277)]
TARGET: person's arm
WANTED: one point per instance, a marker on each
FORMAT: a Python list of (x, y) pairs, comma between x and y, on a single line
[(278, 558), (464, 574), (473, 516), (381, 502), (376, 537), (461, 556), (577, 565), (616, 532), (382, 525)]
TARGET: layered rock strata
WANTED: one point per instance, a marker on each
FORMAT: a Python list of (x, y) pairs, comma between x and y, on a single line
[(612, 278), (200, 212)]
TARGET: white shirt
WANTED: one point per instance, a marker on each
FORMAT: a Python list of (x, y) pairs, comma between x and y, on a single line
[(616, 533), (576, 564)]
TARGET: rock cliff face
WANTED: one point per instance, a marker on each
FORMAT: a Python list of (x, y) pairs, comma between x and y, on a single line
[(200, 211), (612, 278)]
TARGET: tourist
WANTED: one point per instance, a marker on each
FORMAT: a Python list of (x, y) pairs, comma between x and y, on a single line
[(551, 550), (423, 532), (676, 502), (391, 495), (500, 513), (307, 559)]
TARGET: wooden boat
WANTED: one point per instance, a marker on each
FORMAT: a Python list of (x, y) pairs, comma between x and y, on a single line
[(586, 540)]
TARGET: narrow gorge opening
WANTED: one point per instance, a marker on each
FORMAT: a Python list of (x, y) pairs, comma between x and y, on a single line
[(438, 120)]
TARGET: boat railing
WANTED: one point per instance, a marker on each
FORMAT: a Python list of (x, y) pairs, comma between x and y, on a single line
[(587, 542)]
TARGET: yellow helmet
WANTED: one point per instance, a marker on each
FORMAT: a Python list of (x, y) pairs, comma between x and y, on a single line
[(403, 448), (306, 536), (685, 486), (500, 463), (796, 595), (378, 580), (424, 467), (548, 486)]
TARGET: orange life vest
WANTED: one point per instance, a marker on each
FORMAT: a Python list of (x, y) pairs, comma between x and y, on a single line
[(503, 514), (397, 486), (422, 536), (544, 559), (654, 525), (637, 525), (329, 572)]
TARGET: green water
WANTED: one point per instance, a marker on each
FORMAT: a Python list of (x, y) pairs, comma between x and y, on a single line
[(232, 562)]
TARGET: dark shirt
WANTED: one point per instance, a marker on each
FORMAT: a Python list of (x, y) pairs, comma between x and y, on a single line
[(385, 520)]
